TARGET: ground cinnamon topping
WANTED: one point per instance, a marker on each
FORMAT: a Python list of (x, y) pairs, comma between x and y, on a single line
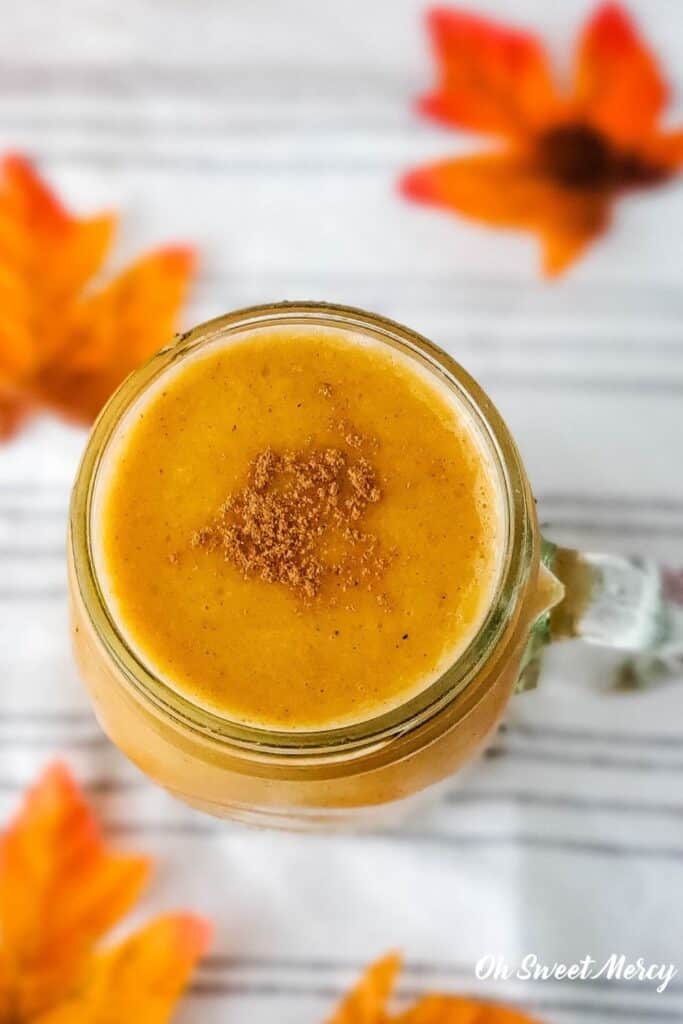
[(352, 437), (296, 521)]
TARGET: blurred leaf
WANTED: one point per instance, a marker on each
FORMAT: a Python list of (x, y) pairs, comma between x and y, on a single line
[(565, 158), (61, 889), (366, 1003), (65, 345)]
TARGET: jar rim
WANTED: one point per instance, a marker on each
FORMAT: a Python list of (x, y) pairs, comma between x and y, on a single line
[(421, 707)]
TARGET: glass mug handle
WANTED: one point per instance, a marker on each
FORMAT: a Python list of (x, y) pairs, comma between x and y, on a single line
[(627, 604)]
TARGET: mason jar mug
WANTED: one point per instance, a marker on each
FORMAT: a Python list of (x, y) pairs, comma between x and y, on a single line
[(370, 771)]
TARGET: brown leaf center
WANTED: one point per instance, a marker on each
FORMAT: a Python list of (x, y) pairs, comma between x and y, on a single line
[(579, 156)]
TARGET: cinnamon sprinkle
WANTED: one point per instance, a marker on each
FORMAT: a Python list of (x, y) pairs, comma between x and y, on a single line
[(296, 521)]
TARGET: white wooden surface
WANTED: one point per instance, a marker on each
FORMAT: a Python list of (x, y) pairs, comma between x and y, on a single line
[(272, 134)]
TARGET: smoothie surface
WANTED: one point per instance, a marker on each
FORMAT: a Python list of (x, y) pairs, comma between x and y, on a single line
[(297, 528)]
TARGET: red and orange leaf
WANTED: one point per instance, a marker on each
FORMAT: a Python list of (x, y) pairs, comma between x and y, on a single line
[(568, 158), (438, 1009), (366, 1003), (507, 190), (619, 86), (60, 890), (62, 344), (491, 78), (139, 980)]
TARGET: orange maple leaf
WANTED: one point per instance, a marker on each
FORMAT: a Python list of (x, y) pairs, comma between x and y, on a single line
[(565, 157), (61, 889), (367, 1003), (63, 344)]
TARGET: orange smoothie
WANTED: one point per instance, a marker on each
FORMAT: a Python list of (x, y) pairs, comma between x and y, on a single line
[(298, 528)]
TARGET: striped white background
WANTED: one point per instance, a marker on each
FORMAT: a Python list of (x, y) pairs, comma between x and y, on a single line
[(272, 134)]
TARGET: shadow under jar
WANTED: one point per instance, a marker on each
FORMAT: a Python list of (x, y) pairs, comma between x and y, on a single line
[(368, 769)]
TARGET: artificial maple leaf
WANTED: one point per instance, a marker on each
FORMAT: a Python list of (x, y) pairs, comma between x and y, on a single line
[(61, 889), (367, 1002), (565, 157), (64, 345)]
